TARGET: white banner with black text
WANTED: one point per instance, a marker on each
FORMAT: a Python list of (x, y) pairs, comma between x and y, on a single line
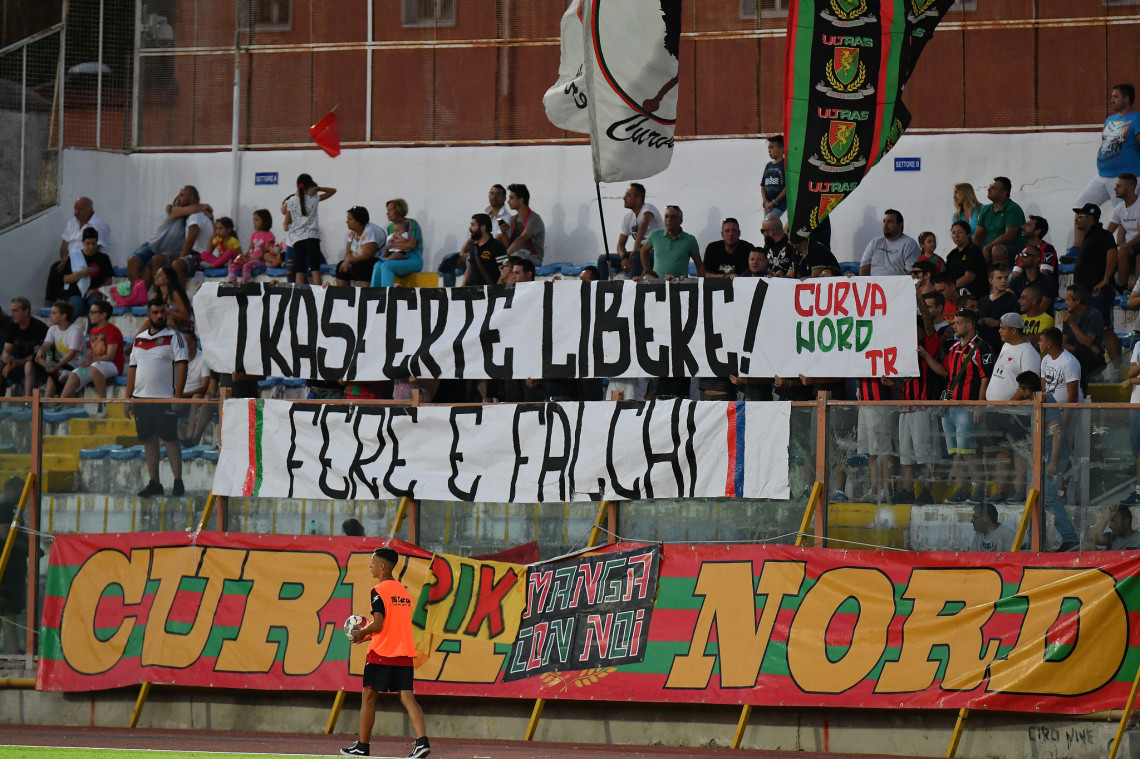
[(524, 453), (827, 327)]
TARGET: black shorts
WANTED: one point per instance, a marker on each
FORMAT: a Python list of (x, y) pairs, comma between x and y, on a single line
[(155, 420), (385, 678), (307, 256), (361, 271)]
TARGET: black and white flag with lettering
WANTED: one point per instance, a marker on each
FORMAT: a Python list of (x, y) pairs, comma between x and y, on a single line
[(525, 453), (828, 327), (619, 69)]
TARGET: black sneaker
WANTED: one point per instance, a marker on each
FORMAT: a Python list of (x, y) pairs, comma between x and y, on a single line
[(152, 489), (420, 748), (178, 489), (356, 749)]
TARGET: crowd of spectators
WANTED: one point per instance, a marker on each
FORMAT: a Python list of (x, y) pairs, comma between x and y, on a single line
[(986, 305)]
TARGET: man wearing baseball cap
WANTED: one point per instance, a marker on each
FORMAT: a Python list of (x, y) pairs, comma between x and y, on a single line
[(1009, 424), (1096, 266)]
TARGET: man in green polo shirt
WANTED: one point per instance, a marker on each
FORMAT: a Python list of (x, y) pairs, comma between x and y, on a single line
[(667, 251), (998, 233)]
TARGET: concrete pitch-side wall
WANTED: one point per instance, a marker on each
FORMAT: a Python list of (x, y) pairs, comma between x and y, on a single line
[(709, 179)]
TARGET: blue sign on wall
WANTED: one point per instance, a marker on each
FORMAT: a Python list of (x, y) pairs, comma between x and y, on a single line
[(265, 177), (908, 164)]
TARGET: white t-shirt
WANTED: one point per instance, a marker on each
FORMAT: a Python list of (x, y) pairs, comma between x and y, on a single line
[(205, 231), (1058, 372), (1000, 540), (65, 340), (153, 357), (1135, 360), (370, 233), (73, 233), (1012, 361), (197, 373), (306, 227), (1127, 217), (631, 221), (886, 257)]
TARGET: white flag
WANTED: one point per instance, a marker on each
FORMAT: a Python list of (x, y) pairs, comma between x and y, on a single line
[(565, 102), (627, 82)]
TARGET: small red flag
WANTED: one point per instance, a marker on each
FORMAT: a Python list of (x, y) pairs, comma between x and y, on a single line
[(326, 134)]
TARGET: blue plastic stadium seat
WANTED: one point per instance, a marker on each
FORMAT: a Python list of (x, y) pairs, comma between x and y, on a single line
[(66, 414), (99, 452), (1066, 268), (572, 270), (548, 270), (189, 454), (8, 448), (859, 459), (124, 454), (210, 455), (120, 310), (849, 267), (120, 381), (120, 271), (219, 271), (270, 382), (692, 269), (1060, 305), (276, 272), (22, 415), (128, 341), (138, 310), (1127, 339), (294, 382), (328, 268), (45, 312)]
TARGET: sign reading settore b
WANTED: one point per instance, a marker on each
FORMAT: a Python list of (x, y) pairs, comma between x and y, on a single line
[(756, 624)]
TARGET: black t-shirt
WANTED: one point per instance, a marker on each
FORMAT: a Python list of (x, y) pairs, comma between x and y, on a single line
[(719, 261), (25, 341), (1044, 284), (781, 255), (1093, 256), (958, 262), (490, 255), (101, 263), (995, 309), (819, 256)]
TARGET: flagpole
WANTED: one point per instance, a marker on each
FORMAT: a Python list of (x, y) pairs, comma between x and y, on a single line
[(602, 216)]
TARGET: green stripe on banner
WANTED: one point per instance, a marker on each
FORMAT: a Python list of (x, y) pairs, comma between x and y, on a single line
[(463, 592), (797, 65), (257, 436)]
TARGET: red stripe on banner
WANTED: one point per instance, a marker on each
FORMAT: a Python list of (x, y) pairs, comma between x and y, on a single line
[(887, 17), (730, 482), (251, 470), (790, 69)]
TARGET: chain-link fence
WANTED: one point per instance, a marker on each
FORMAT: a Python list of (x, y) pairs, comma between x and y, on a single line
[(442, 72), (29, 126)]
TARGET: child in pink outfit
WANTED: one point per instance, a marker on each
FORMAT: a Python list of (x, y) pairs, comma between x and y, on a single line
[(224, 245), (253, 262)]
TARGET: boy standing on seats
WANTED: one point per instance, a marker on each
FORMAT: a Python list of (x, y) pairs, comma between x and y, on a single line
[(391, 652)]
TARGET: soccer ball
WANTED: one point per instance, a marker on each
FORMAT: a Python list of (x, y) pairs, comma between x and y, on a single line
[(352, 624)]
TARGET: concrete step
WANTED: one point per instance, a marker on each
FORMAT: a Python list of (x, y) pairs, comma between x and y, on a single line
[(51, 481), (73, 444), (115, 426), (67, 462)]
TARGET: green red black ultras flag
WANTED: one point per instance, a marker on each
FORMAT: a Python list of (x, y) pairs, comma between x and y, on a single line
[(847, 63)]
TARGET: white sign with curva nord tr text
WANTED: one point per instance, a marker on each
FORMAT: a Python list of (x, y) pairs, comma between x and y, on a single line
[(826, 327)]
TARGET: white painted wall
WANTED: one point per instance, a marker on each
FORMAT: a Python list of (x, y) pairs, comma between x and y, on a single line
[(709, 179)]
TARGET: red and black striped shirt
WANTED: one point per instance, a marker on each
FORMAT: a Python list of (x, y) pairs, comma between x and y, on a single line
[(978, 358), (872, 389), (920, 388)]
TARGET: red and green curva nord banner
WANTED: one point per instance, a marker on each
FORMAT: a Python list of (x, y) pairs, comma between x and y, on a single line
[(846, 64), (763, 625)]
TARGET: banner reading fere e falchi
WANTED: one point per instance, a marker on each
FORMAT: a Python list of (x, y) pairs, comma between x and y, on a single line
[(763, 625)]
